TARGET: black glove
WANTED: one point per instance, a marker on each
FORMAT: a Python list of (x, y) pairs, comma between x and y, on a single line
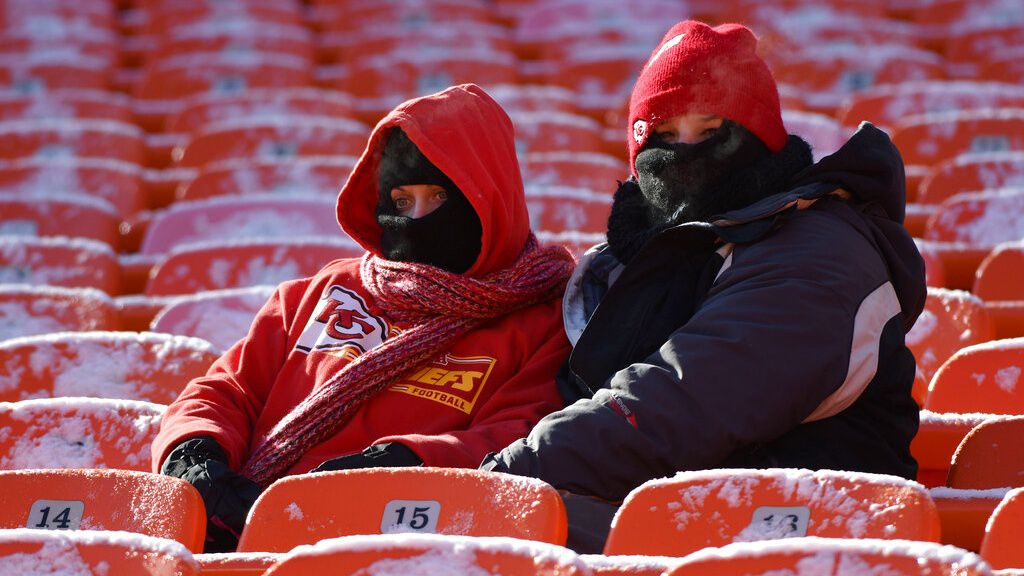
[(228, 496), (389, 455)]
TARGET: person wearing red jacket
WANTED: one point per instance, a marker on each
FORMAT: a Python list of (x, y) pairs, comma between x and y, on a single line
[(438, 346)]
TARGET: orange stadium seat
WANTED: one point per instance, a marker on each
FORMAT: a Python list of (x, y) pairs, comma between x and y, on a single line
[(59, 262), (78, 433), (964, 513), (786, 30), (951, 320), (235, 37), (139, 502), (319, 175), (273, 137), (516, 98), (353, 15), (963, 12), (237, 563), (394, 500), (221, 317), (120, 365), (77, 104), (938, 436), (972, 173), (91, 13), (350, 46), (202, 111), (694, 510), (53, 71), (888, 104), (559, 209), (245, 263), (117, 182), (239, 218), (824, 134), (966, 48), (990, 456), (162, 17), (998, 282), (600, 76), (70, 215), (980, 378), (982, 219), (928, 139), (30, 310), (934, 269), (1001, 546), (69, 138), (220, 73), (556, 132), (601, 565), (438, 554), (839, 557), (592, 171), (23, 551), (1006, 68)]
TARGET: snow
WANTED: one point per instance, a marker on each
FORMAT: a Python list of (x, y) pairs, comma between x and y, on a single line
[(58, 554), (64, 125), (221, 317), (47, 309), (982, 218), (294, 512), (1007, 378), (954, 420), (626, 564), (947, 493), (302, 125), (235, 60), (45, 198)]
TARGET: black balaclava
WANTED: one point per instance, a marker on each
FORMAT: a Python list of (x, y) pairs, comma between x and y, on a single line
[(448, 237), (679, 183)]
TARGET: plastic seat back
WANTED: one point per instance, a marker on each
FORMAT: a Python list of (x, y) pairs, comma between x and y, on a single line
[(59, 262), (265, 138), (118, 183), (980, 378), (118, 365), (221, 73), (557, 209), (321, 175), (597, 172), (930, 138), (998, 276), (140, 502), (556, 132), (596, 76), (53, 73), (52, 138), (694, 510), (888, 104), (837, 557), (982, 219), (972, 173), (59, 215), (31, 551), (209, 109), (253, 37), (30, 310), (391, 500), (516, 98), (221, 317), (71, 104), (195, 268), (601, 565), (990, 456), (1001, 545), (951, 320), (823, 133), (239, 218), (409, 554)]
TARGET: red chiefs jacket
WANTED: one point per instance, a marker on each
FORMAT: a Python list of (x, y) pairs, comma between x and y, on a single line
[(488, 390)]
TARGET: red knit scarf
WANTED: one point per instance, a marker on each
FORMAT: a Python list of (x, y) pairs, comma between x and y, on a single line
[(440, 306)]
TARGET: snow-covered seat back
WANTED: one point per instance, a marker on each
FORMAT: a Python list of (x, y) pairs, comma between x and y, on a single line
[(67, 215), (833, 556), (221, 317), (215, 266), (928, 139), (27, 550), (972, 173), (72, 138), (393, 555), (980, 219), (593, 171), (998, 276), (74, 104), (197, 73), (30, 310), (980, 378), (560, 209), (694, 510), (140, 502), (823, 133), (1001, 544), (118, 365), (293, 510), (58, 261), (990, 456), (887, 104), (117, 182), (319, 175), (77, 433), (541, 132), (207, 109)]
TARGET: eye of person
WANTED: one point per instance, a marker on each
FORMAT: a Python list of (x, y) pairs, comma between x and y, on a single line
[(441, 195), (403, 203)]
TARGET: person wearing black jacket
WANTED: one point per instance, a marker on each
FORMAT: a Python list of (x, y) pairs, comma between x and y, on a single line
[(750, 306)]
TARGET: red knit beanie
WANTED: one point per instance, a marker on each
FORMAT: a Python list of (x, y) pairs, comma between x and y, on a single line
[(705, 70)]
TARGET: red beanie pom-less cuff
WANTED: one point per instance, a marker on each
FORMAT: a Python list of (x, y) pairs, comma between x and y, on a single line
[(705, 70)]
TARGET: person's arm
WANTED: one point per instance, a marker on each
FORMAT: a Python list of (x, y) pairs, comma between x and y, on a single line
[(225, 403)]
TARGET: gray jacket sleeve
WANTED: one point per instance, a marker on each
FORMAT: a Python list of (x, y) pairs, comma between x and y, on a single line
[(769, 344)]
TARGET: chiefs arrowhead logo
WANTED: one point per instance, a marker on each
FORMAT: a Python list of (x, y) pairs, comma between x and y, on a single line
[(639, 131), (341, 321)]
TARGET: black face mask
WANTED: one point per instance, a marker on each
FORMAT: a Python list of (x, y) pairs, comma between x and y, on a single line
[(687, 182), (448, 237)]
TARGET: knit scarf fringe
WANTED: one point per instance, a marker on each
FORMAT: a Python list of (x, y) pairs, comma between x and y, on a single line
[(440, 306)]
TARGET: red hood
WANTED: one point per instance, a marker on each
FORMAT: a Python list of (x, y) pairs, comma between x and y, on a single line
[(470, 138)]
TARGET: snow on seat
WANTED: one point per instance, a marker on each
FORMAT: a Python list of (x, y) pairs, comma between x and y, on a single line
[(52, 69), (886, 105), (967, 47), (201, 111), (169, 18), (245, 35), (592, 171), (69, 215), (980, 378), (928, 139), (395, 555), (938, 435), (601, 75), (71, 263), (221, 317), (934, 267), (221, 72), (833, 556), (58, 19), (990, 456), (601, 565), (29, 310), (269, 137), (70, 103), (347, 47), (218, 265), (351, 16), (116, 182), (516, 98), (964, 513), (972, 173), (561, 209), (694, 510), (951, 320), (53, 138), (321, 175), (1001, 544), (240, 218), (122, 365), (983, 219), (141, 502), (823, 133), (555, 132), (237, 563), (998, 282), (85, 553), (77, 433), (293, 511)]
